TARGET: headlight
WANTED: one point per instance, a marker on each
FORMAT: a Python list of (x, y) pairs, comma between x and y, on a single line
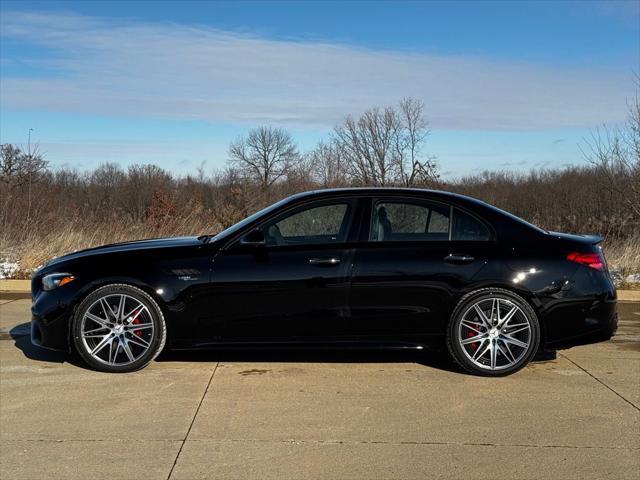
[(55, 280)]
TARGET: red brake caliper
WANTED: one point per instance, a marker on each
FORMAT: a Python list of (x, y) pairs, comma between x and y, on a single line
[(474, 345), (135, 321)]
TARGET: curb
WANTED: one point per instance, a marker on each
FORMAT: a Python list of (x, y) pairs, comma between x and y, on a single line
[(5, 295), (15, 289), (629, 295)]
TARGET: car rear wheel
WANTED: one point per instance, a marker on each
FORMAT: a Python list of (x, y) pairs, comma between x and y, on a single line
[(118, 328), (493, 332)]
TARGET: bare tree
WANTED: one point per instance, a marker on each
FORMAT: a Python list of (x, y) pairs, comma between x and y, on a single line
[(143, 187), (18, 168), (299, 177), (233, 197), (265, 155), (367, 144), (410, 137), (616, 155), (327, 165), (384, 146), (108, 176)]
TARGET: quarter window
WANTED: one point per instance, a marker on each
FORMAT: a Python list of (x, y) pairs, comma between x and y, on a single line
[(404, 221), (323, 224), (466, 227)]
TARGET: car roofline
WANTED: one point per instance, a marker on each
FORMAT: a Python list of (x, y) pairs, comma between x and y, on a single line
[(443, 194)]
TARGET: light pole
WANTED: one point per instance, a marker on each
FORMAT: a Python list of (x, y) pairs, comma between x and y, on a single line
[(29, 141)]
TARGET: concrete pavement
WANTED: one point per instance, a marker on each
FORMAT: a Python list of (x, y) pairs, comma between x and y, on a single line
[(319, 415)]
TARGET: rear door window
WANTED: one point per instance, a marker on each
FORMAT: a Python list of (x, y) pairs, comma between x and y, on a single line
[(399, 221)]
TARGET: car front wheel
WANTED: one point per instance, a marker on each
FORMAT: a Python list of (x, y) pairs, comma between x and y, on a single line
[(493, 332), (118, 328)]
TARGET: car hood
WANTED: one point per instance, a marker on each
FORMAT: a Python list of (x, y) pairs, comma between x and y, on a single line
[(154, 243)]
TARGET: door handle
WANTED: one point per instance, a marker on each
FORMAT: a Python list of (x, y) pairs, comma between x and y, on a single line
[(324, 262), (455, 258)]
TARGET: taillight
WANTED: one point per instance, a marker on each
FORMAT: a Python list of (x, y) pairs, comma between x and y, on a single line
[(591, 260)]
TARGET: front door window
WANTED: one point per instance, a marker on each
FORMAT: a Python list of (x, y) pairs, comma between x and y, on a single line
[(324, 224)]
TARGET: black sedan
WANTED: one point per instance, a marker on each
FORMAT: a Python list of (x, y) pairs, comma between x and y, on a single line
[(348, 267)]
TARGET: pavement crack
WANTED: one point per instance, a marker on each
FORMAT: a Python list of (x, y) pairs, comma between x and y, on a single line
[(326, 442), (184, 440), (600, 382), (409, 442)]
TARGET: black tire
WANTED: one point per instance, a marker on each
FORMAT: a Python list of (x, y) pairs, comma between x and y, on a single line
[(156, 338), (456, 350)]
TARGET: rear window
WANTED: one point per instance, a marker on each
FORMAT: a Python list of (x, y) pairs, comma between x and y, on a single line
[(512, 217)]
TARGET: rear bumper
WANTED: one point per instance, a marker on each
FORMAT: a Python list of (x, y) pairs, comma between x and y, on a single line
[(601, 335), (582, 323), (583, 311)]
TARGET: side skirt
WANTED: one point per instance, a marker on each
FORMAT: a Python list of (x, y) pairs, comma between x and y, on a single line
[(302, 344)]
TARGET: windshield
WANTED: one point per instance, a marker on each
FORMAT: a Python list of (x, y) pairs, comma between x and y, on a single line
[(243, 223)]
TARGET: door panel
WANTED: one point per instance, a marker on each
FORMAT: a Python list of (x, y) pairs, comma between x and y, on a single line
[(409, 276), (296, 286), (403, 290), (279, 292)]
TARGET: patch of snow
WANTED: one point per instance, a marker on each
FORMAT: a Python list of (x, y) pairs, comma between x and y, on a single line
[(633, 278), (619, 279), (8, 268), (616, 276)]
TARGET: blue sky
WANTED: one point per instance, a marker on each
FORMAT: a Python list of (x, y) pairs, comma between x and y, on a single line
[(513, 85)]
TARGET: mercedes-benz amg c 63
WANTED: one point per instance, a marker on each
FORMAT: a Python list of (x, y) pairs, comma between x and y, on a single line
[(347, 267)]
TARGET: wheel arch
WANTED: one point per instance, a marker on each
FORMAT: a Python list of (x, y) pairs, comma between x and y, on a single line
[(529, 296), (482, 293), (102, 282)]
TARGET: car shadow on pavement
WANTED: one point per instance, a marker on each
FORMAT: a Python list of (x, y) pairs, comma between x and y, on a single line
[(435, 359), (22, 340), (428, 358)]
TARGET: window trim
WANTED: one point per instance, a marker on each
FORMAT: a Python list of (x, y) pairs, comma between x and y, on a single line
[(365, 237), (343, 226), (350, 216), (487, 225), (411, 201)]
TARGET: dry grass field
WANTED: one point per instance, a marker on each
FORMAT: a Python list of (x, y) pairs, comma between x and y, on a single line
[(59, 224)]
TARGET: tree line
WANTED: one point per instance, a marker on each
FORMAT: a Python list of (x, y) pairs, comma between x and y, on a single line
[(46, 211)]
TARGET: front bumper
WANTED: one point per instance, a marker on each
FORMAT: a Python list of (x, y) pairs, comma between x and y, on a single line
[(50, 316), (36, 338)]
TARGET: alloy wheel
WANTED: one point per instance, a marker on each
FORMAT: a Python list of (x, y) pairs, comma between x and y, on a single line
[(117, 329), (494, 334)]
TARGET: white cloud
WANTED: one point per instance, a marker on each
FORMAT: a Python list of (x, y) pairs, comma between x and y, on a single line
[(186, 72), (180, 157)]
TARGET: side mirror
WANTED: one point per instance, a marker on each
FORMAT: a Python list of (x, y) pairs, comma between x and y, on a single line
[(255, 238)]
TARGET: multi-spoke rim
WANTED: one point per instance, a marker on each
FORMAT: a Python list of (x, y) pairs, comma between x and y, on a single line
[(494, 333), (117, 329)]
